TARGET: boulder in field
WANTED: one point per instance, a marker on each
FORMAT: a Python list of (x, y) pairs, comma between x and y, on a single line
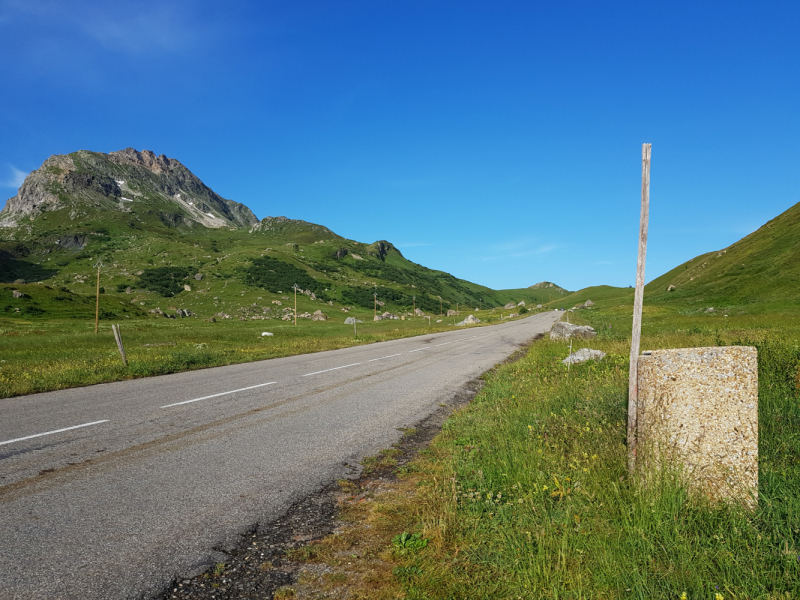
[(565, 331), (583, 355), (470, 320)]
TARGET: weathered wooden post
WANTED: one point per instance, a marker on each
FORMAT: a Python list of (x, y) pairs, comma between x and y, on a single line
[(636, 333), (97, 305), (118, 339)]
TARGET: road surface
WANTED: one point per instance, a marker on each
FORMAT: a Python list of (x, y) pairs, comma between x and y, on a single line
[(113, 490)]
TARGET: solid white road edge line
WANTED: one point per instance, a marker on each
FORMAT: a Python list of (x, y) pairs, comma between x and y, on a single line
[(382, 357), (27, 437), (220, 394), (333, 369)]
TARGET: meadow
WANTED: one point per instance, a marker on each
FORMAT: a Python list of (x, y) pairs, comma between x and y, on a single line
[(44, 355), (526, 494)]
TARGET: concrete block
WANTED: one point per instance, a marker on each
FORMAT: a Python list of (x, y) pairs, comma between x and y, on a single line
[(698, 408)]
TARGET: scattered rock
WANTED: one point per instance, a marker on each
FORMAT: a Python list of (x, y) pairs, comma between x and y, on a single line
[(418, 312), (156, 311), (710, 309), (278, 302), (671, 288), (266, 334), (451, 313), (313, 296), (379, 303), (319, 316), (510, 305), (305, 315), (187, 287), (538, 306), (17, 294), (211, 320), (377, 318), (512, 315), (521, 303), (182, 312), (438, 320), (583, 355), (470, 320), (352, 320), (356, 256), (345, 309), (199, 277), (388, 315), (565, 331), (588, 304), (307, 292)]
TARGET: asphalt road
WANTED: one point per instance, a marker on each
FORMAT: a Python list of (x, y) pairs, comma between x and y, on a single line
[(111, 491)]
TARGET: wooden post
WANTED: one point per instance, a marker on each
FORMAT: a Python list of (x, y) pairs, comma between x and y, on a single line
[(118, 338), (97, 304), (636, 333)]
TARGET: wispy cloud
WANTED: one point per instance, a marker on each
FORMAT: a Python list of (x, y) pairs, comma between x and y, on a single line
[(143, 28), (15, 180)]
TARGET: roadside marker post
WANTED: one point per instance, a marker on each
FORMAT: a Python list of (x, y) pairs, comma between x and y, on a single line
[(98, 264), (636, 333)]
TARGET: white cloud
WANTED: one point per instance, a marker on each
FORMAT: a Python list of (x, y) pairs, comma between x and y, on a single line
[(16, 179)]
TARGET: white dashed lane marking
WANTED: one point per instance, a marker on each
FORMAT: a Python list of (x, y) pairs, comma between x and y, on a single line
[(220, 394), (35, 435)]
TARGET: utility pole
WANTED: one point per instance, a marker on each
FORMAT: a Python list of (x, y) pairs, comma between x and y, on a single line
[(633, 374), (295, 304), (98, 264)]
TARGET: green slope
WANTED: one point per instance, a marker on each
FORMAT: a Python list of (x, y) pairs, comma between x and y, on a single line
[(154, 244), (761, 269)]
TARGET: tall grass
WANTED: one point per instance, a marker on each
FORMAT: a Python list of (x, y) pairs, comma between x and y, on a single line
[(527, 495)]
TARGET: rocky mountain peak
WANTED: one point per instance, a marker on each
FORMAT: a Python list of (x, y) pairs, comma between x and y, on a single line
[(128, 181), (147, 159)]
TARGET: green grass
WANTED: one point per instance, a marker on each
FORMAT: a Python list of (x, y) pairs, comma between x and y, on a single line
[(526, 494), (43, 355)]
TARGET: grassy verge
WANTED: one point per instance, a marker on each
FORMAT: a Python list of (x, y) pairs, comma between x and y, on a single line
[(40, 356), (525, 494)]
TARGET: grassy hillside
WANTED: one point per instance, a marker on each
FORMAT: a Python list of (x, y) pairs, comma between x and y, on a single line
[(168, 242), (761, 269)]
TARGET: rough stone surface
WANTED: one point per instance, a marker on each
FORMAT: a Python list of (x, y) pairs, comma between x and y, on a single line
[(522, 303), (583, 355), (352, 321), (565, 331), (451, 313), (418, 312), (17, 294), (699, 407), (510, 305), (470, 320), (199, 277), (267, 334), (319, 316)]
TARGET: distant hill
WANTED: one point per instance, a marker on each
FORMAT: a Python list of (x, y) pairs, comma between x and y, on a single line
[(548, 286), (165, 238), (761, 268)]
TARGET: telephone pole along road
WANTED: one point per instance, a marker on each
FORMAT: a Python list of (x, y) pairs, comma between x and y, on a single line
[(111, 491)]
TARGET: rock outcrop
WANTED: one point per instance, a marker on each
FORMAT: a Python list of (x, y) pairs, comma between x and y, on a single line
[(123, 181), (583, 355), (565, 331), (470, 320)]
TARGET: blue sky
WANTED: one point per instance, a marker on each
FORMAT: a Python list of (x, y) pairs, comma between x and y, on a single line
[(499, 141)]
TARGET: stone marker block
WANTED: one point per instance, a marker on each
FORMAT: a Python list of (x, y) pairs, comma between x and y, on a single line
[(698, 407)]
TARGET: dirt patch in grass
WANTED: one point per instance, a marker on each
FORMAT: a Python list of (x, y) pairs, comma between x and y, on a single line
[(331, 544)]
